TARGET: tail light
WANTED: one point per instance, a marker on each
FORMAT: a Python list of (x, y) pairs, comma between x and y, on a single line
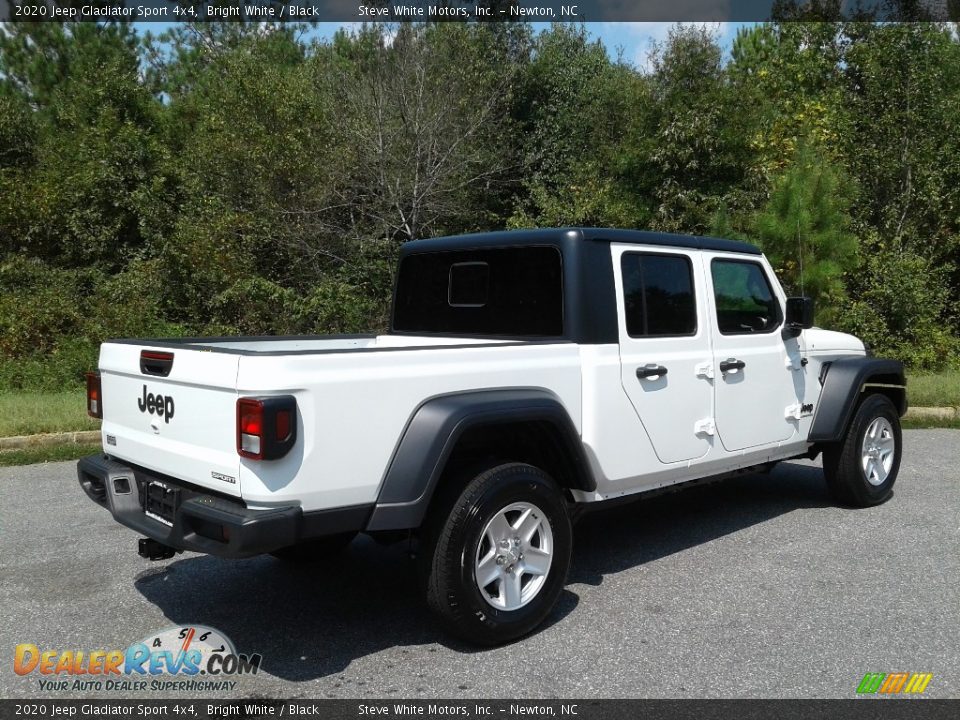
[(94, 395), (266, 427)]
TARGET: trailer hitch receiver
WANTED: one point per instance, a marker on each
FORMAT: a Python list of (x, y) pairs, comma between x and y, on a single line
[(153, 550)]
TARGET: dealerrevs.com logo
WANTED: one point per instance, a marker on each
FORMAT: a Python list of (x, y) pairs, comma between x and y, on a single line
[(894, 683), (191, 658)]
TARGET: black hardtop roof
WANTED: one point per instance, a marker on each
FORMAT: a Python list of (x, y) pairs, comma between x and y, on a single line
[(556, 236)]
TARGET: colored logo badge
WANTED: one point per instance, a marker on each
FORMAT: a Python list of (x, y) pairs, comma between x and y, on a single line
[(177, 652), (894, 683)]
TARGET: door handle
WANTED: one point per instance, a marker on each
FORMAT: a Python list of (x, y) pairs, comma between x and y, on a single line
[(732, 365), (651, 370)]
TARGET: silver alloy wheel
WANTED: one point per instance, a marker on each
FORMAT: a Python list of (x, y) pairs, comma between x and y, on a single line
[(513, 556), (877, 453)]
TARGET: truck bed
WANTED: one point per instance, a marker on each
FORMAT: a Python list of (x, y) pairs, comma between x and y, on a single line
[(354, 395)]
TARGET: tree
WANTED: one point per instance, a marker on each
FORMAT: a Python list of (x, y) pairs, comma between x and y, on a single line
[(788, 75), (92, 179), (38, 58), (903, 140), (425, 122), (805, 231), (576, 110), (254, 158), (688, 154)]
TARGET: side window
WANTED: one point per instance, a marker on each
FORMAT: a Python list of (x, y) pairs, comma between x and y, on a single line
[(658, 295), (744, 298)]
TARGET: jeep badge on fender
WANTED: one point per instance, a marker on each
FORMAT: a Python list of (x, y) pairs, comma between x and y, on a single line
[(160, 405)]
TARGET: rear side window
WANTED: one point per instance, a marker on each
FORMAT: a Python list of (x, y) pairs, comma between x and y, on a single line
[(745, 301), (509, 292), (658, 295)]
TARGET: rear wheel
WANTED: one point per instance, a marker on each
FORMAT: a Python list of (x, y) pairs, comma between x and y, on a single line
[(862, 469), (315, 550), (498, 560)]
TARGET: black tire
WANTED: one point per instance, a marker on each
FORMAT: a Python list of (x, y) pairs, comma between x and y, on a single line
[(843, 463), (454, 542), (315, 550)]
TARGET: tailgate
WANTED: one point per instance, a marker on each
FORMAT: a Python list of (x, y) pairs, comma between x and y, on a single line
[(182, 424)]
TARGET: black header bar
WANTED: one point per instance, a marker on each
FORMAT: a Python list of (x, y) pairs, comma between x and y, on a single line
[(167, 11)]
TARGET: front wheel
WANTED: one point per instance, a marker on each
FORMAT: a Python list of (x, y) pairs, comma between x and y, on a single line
[(498, 560), (862, 469)]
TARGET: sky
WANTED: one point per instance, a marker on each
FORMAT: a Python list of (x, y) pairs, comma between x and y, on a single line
[(634, 39), (631, 40)]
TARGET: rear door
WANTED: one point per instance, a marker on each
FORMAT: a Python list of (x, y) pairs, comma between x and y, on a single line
[(756, 383), (172, 410), (665, 348)]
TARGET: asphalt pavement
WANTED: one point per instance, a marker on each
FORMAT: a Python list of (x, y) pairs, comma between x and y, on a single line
[(755, 587)]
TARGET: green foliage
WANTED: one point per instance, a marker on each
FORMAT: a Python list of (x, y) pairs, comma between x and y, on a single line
[(576, 109), (690, 156), (32, 413), (788, 75), (52, 321), (934, 389), (44, 454), (804, 230), (903, 139), (39, 58), (88, 178), (899, 307), (236, 177), (254, 146), (18, 132), (337, 307)]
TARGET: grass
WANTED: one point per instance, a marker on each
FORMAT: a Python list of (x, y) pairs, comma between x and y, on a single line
[(910, 423), (934, 390), (53, 453), (24, 413)]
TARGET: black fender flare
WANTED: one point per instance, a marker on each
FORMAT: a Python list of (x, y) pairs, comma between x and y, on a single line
[(432, 433), (845, 382)]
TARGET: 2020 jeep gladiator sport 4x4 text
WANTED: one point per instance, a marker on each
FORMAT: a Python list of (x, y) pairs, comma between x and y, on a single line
[(526, 375)]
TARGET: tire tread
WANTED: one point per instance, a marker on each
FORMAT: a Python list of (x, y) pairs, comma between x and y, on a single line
[(443, 554), (841, 461)]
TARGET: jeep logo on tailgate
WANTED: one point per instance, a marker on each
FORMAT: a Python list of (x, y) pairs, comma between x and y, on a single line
[(159, 405)]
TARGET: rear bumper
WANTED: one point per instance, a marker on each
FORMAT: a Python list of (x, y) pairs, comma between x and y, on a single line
[(203, 522)]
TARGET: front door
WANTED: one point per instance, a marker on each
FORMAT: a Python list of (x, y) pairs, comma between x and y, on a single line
[(755, 365), (665, 348)]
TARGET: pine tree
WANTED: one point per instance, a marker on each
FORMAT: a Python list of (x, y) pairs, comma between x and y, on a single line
[(804, 230)]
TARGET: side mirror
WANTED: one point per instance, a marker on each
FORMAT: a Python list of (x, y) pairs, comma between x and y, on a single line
[(799, 314)]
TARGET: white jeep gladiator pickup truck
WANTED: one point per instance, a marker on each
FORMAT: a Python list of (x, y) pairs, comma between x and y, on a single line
[(526, 376)]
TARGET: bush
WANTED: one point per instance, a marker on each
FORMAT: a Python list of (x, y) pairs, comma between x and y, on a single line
[(337, 307), (52, 321), (60, 369), (254, 306), (900, 309)]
